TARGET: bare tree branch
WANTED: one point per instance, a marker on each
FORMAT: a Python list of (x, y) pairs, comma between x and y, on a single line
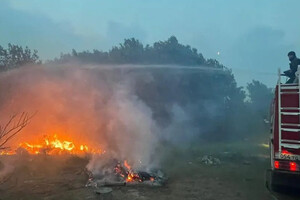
[(7, 125), (14, 125)]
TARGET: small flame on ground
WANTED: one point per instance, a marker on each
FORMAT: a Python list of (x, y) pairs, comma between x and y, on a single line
[(127, 165), (128, 173)]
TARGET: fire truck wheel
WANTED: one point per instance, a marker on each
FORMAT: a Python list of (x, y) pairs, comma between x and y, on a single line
[(270, 185)]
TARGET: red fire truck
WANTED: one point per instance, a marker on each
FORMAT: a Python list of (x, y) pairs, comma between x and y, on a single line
[(285, 137)]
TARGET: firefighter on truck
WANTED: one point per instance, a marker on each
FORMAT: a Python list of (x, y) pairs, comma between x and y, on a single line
[(285, 131), (294, 62)]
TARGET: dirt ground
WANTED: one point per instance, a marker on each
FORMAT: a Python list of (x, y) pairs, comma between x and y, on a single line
[(239, 176)]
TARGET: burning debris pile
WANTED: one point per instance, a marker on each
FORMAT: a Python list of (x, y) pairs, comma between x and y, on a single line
[(123, 174), (95, 114)]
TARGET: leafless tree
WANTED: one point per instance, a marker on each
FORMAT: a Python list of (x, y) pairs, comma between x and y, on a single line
[(14, 125)]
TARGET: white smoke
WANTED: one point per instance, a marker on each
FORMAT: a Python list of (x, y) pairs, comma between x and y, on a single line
[(96, 106)]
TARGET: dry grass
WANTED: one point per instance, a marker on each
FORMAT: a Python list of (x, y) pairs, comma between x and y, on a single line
[(44, 177)]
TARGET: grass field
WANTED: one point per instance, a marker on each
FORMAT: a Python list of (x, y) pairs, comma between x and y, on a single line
[(240, 175)]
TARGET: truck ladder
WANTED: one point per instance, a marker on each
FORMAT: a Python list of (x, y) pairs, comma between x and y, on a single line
[(286, 111)]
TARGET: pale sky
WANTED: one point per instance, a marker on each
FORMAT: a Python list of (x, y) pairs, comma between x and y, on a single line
[(252, 36)]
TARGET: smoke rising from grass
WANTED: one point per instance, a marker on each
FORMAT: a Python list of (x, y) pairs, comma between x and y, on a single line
[(96, 106), (129, 111)]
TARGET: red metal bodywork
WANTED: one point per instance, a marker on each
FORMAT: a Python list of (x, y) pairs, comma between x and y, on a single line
[(285, 138), (289, 100)]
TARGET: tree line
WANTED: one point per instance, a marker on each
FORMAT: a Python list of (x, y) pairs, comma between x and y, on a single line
[(132, 51)]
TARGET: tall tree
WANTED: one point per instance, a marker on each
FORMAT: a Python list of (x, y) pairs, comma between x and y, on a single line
[(16, 56), (260, 97)]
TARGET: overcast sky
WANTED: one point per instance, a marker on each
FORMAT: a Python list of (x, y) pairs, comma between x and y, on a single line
[(252, 36)]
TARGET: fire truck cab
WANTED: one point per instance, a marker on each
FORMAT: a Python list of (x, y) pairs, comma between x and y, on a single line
[(285, 137)]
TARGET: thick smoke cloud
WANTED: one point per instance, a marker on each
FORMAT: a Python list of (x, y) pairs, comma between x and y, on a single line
[(131, 112), (96, 106)]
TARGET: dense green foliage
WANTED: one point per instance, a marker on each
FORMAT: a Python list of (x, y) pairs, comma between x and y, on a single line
[(15, 56), (134, 52), (259, 104), (260, 96)]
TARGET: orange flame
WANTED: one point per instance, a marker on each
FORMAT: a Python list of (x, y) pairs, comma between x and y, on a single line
[(55, 146), (131, 176), (127, 165)]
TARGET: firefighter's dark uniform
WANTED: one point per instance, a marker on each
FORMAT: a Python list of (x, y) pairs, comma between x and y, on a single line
[(293, 68)]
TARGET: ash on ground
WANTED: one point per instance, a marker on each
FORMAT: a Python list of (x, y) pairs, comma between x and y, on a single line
[(210, 160)]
